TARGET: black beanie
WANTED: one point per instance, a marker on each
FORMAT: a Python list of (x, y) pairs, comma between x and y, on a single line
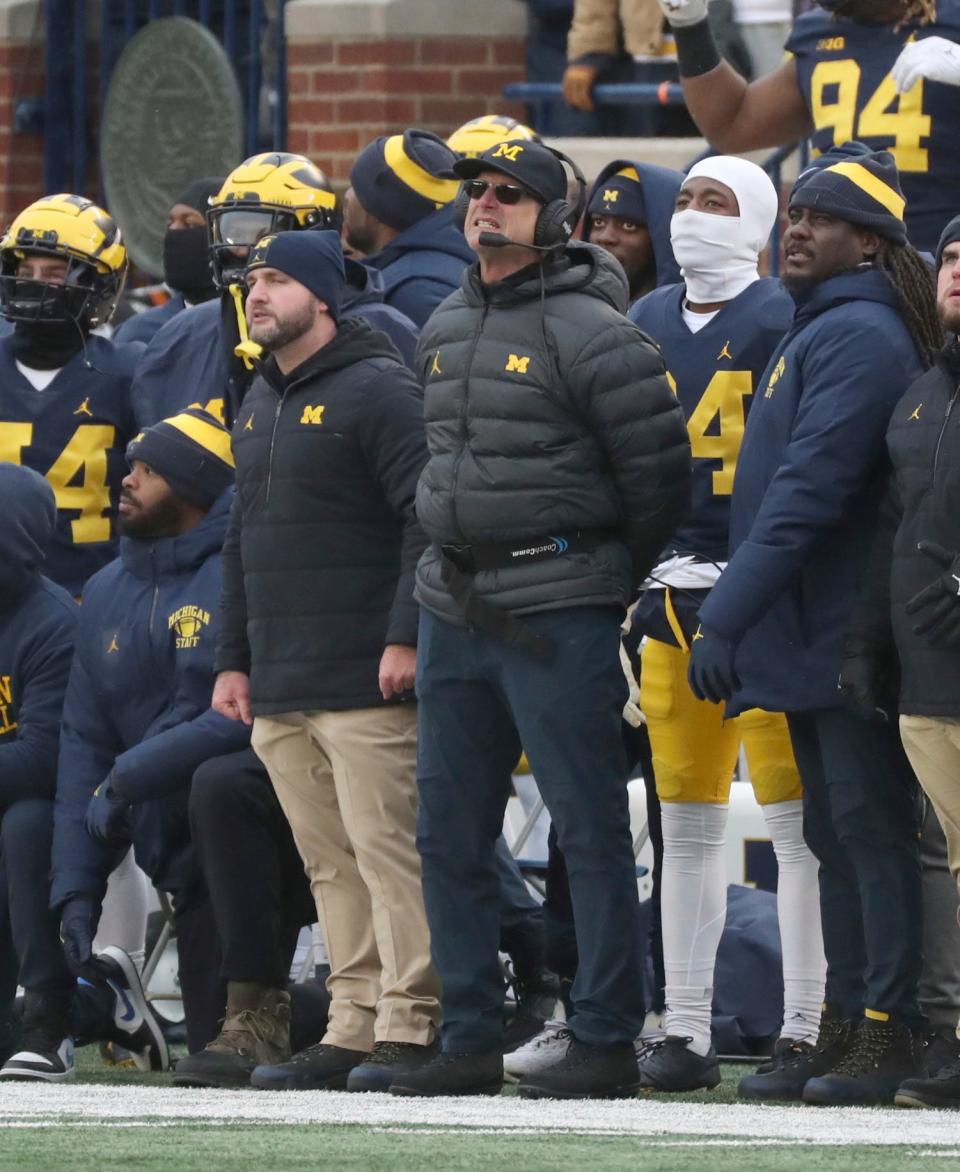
[(191, 451), (197, 195), (314, 258), (860, 187), (405, 177), (949, 235)]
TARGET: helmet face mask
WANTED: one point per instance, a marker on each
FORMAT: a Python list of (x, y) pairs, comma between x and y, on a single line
[(266, 194), (75, 231)]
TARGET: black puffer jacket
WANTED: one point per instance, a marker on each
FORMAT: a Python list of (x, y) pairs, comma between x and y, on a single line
[(323, 540), (922, 504), (548, 412)]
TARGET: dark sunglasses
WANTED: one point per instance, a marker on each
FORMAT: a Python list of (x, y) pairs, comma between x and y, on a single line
[(505, 193)]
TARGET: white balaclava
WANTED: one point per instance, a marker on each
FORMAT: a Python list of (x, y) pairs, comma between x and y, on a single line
[(718, 255)]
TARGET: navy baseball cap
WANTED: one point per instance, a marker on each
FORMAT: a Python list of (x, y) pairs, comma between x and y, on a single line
[(532, 165)]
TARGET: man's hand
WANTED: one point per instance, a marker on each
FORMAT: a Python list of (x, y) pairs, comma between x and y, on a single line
[(866, 682), (578, 83), (78, 926), (712, 676), (681, 12), (938, 604), (398, 669), (108, 817), (933, 58), (231, 696)]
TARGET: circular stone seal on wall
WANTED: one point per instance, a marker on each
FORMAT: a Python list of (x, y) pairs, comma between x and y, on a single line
[(173, 114)]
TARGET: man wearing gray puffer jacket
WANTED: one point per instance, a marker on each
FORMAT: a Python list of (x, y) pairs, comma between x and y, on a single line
[(559, 466)]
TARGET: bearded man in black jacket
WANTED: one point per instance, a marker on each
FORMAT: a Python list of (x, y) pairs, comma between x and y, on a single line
[(318, 646)]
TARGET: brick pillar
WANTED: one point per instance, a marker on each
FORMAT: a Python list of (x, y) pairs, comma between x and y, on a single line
[(21, 77), (360, 70)]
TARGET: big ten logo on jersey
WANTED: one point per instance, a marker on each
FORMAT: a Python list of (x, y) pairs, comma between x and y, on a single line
[(839, 100), (188, 623), (78, 476), (7, 723), (716, 423)]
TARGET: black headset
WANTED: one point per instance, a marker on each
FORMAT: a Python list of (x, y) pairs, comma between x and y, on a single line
[(557, 220)]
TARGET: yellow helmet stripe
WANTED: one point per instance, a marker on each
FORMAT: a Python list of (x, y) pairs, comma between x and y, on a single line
[(874, 187), (441, 191), (214, 439)]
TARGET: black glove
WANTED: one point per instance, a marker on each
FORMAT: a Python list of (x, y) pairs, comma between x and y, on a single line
[(712, 676), (868, 680), (78, 926), (108, 817), (938, 604)]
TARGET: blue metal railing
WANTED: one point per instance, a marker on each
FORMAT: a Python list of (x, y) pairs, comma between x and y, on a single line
[(538, 94), (242, 26)]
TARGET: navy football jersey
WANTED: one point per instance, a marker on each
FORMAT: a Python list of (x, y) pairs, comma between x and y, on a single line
[(75, 433), (843, 69), (713, 374)]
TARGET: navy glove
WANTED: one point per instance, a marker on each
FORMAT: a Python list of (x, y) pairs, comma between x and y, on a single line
[(78, 926), (938, 605), (108, 817), (712, 676), (868, 680)]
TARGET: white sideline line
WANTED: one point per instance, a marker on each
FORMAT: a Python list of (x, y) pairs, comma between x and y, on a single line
[(24, 1104)]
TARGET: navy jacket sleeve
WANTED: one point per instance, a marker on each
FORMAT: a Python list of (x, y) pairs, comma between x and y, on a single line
[(28, 762), (89, 744), (837, 438), (394, 439), (233, 648)]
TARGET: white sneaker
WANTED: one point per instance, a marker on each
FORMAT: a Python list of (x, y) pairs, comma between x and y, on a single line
[(541, 1052), (41, 1062)]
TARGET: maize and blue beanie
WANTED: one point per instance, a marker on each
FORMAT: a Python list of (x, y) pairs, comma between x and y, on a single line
[(191, 451)]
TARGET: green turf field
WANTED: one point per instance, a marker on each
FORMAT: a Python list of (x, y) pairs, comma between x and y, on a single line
[(115, 1119)]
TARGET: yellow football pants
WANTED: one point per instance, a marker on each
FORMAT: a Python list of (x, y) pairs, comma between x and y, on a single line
[(695, 749)]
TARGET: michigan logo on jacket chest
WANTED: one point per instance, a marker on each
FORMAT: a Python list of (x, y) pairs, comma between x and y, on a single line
[(188, 623), (7, 723)]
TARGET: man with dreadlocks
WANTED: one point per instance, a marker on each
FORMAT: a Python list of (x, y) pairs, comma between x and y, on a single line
[(882, 71), (771, 631)]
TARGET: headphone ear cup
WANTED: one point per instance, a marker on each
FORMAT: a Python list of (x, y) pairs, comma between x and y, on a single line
[(553, 225), (461, 201)]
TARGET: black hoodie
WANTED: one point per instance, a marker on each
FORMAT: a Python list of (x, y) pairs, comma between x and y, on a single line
[(323, 540), (37, 622)]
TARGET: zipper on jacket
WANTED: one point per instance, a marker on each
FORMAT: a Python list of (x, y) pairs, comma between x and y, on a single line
[(273, 440), (466, 415), (943, 428)]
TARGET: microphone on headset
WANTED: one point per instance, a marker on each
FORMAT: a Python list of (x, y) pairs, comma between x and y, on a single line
[(498, 240)]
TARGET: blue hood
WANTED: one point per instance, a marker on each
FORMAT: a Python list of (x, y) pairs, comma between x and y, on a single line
[(29, 519), (660, 188), (863, 284), (364, 285), (167, 557), (434, 233)]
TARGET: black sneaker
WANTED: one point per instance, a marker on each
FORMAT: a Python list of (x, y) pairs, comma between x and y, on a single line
[(938, 1090), (670, 1065), (454, 1073), (797, 1063), (586, 1072), (45, 1049), (943, 1048), (385, 1061), (782, 1047), (883, 1054), (537, 997), (318, 1068), (135, 1026)]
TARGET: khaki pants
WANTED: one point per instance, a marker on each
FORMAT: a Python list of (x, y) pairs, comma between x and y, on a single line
[(933, 746), (347, 784)]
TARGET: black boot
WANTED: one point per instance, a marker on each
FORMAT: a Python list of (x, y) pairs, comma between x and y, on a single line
[(939, 1086), (883, 1055), (797, 1063), (453, 1073), (318, 1068), (670, 1065), (386, 1062), (586, 1072)]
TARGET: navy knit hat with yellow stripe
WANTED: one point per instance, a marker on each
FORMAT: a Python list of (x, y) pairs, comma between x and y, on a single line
[(619, 194), (191, 451), (861, 188), (405, 177)]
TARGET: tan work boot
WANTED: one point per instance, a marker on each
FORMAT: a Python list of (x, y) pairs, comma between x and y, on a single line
[(256, 1030)]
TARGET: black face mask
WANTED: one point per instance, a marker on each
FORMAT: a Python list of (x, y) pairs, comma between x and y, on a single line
[(186, 262), (46, 345)]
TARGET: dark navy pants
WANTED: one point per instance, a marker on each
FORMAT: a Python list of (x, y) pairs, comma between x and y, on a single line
[(861, 821), (28, 929), (478, 701)]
